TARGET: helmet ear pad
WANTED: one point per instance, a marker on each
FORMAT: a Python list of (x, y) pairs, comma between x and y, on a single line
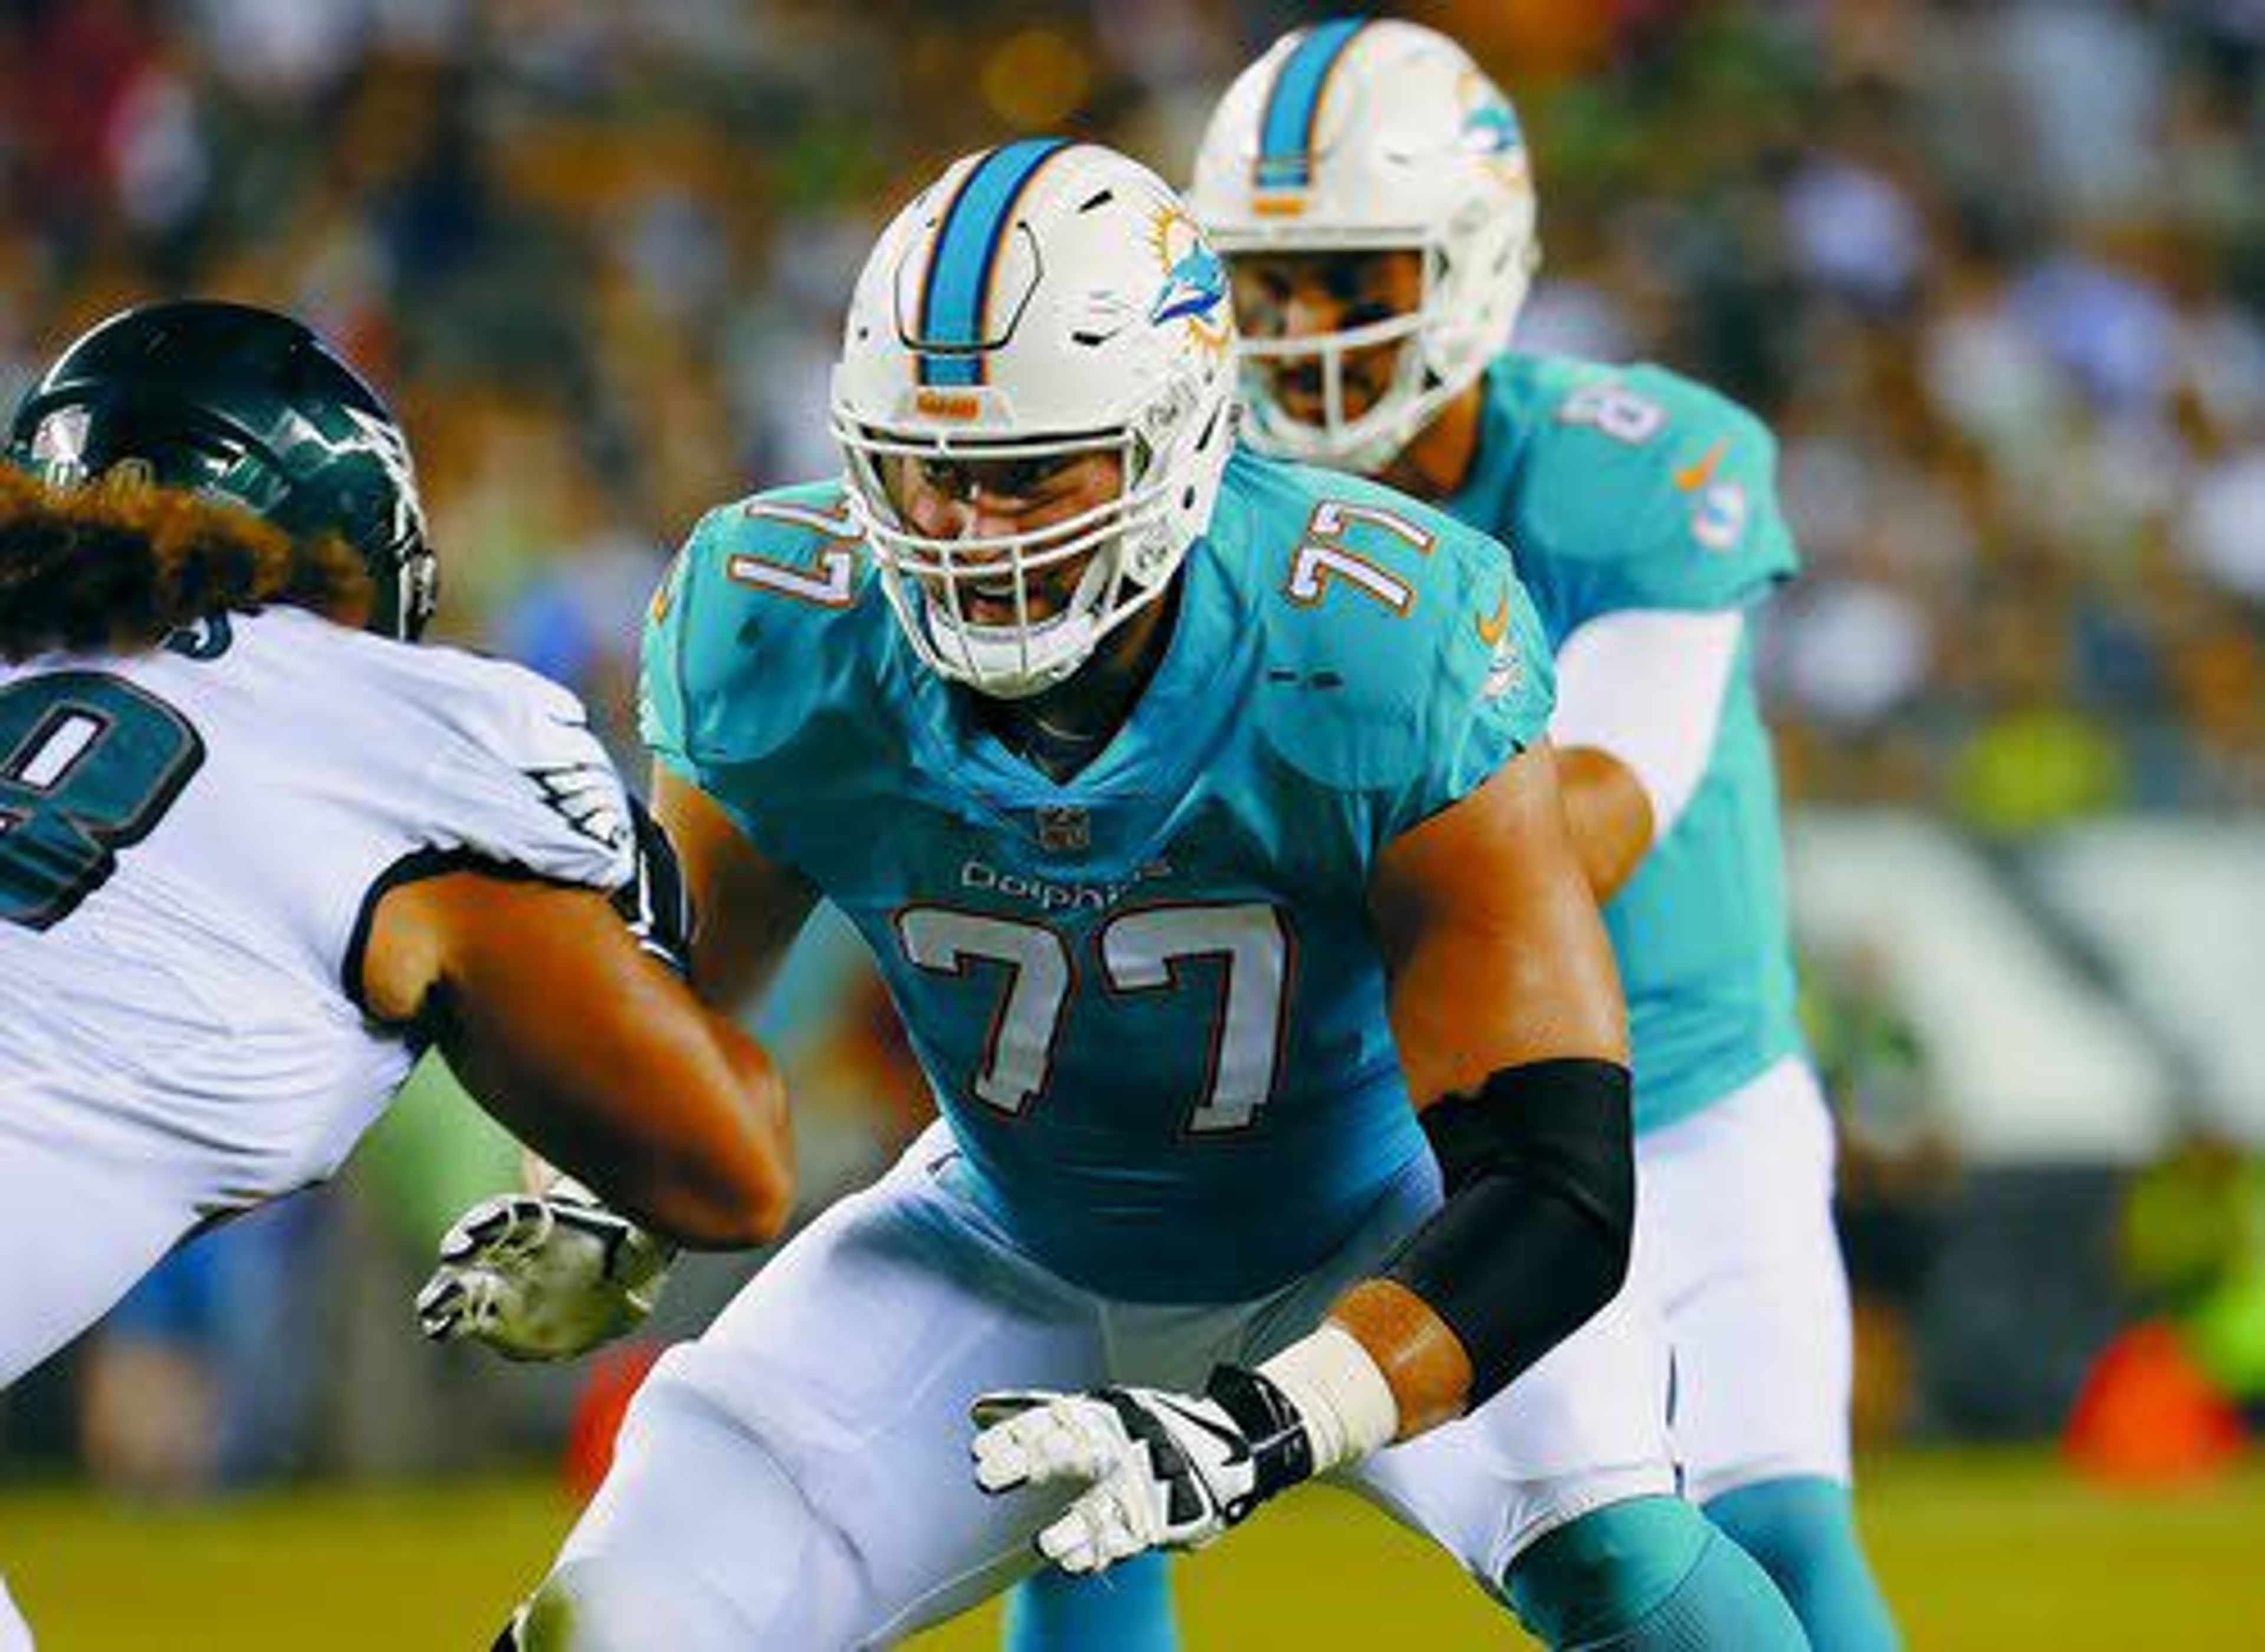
[(247, 405)]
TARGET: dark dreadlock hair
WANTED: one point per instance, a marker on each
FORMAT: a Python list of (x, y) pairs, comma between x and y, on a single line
[(118, 565)]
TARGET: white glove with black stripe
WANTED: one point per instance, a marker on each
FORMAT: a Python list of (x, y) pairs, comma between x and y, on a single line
[(542, 1277), (1161, 1470), (1164, 1470)]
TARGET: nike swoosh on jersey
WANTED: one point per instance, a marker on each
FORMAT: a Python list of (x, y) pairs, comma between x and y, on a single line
[(1492, 627), (1694, 475)]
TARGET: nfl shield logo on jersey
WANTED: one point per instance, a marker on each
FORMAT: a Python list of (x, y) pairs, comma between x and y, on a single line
[(1064, 829)]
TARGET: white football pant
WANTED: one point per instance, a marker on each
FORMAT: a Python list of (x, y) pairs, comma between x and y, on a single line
[(798, 1478), (1736, 1246)]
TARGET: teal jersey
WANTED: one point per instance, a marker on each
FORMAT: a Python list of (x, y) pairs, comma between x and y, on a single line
[(1622, 488), (1149, 999)]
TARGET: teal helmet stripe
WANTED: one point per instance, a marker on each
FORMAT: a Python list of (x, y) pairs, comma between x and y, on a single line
[(967, 241), (1285, 135)]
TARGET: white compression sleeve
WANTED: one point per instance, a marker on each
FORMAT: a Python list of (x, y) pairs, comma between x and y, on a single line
[(1645, 685)]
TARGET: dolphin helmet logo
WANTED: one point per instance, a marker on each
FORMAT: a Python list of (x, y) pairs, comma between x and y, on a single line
[(1491, 128), (1195, 279), (1490, 131), (1195, 286)]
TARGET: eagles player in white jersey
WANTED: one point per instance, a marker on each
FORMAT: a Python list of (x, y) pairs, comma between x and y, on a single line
[(257, 852)]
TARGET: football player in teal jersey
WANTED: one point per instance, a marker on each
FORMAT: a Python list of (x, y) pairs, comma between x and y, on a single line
[(1369, 188), (1197, 810)]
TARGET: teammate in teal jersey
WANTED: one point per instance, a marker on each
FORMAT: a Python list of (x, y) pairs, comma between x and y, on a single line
[(1195, 809), (1369, 189)]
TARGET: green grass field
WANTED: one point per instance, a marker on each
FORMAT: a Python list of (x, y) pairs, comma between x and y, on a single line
[(1977, 1552)]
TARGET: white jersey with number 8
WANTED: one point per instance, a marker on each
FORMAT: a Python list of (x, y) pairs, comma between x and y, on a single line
[(192, 841)]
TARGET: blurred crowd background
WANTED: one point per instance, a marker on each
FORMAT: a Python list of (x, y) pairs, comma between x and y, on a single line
[(1994, 271)]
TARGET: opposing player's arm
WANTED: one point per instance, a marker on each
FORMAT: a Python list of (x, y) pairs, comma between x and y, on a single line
[(588, 1049), (1640, 697), (548, 1273)]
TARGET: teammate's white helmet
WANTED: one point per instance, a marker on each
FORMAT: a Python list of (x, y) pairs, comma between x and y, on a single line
[(1042, 298), (1355, 136)]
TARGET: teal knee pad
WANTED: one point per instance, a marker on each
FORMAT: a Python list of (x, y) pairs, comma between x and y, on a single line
[(1647, 1576), (1802, 1531), (1128, 1608)]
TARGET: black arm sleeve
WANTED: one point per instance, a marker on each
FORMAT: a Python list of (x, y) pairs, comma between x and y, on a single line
[(1540, 1168)]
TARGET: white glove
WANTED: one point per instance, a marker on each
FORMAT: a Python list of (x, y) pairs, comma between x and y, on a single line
[(542, 1277), (1160, 1470)]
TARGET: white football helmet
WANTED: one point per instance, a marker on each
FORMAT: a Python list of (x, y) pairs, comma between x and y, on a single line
[(1040, 298), (1364, 136)]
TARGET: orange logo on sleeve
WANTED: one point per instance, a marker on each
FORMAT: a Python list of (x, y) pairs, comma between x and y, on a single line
[(1694, 475), (1492, 628), (665, 592)]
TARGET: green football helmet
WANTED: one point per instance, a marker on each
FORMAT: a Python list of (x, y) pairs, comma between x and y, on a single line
[(242, 402)]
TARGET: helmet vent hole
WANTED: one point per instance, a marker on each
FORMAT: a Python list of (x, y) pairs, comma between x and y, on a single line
[(1188, 498), (1090, 340), (1100, 198)]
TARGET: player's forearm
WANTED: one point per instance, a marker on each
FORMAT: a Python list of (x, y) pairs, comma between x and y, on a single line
[(681, 1126), (1415, 1352), (1382, 1367), (1534, 1239), (670, 1112), (763, 1156)]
